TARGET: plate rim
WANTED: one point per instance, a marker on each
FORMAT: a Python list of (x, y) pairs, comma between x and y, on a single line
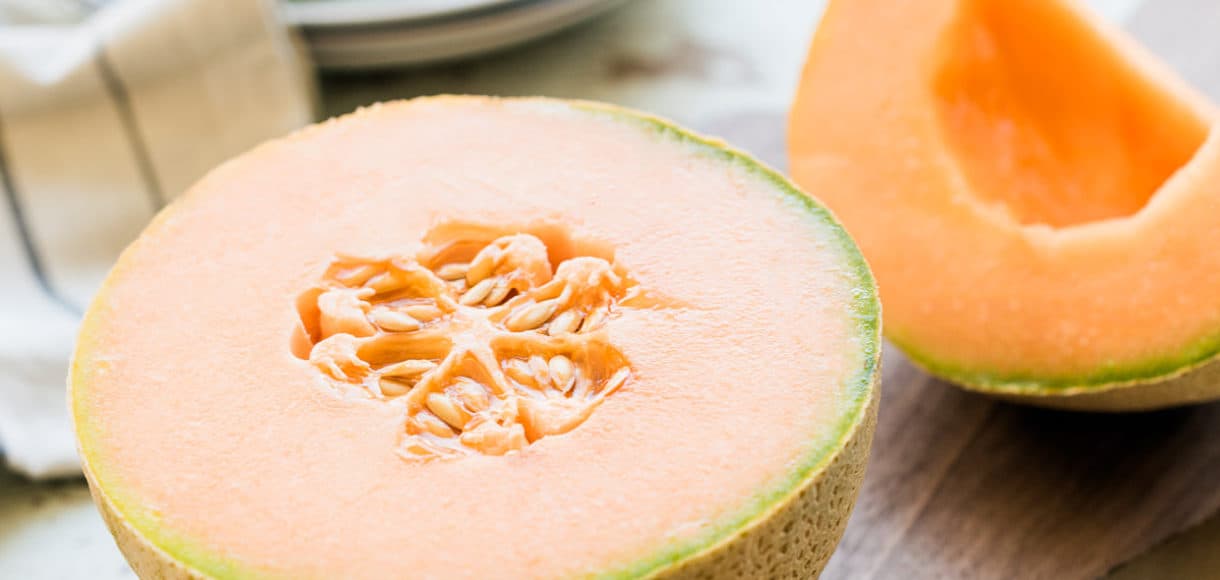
[(343, 13)]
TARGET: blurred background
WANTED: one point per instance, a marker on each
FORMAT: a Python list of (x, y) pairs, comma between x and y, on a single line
[(110, 108)]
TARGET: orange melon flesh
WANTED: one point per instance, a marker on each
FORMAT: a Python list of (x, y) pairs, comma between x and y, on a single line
[(217, 451), (1036, 195)]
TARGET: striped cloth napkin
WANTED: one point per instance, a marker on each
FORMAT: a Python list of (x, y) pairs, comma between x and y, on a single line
[(105, 116)]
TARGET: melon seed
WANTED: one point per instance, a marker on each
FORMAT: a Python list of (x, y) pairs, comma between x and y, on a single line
[(483, 264), (531, 317), (422, 312), (561, 372), (614, 383), (391, 387), (541, 370), (566, 323), (453, 271), (498, 293), (434, 425), (478, 293), (446, 410), (394, 321), (408, 368)]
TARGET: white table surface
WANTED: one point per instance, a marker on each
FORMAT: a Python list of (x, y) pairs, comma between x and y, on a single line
[(712, 65)]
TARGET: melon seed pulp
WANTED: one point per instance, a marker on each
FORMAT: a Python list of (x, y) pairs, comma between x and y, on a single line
[(486, 344)]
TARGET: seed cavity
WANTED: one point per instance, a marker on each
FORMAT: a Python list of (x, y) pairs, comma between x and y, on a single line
[(486, 345)]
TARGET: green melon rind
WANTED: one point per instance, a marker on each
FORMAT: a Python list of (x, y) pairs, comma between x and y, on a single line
[(854, 426), (1111, 377)]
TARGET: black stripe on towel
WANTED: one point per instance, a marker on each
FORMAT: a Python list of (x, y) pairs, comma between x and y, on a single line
[(139, 147), (23, 230)]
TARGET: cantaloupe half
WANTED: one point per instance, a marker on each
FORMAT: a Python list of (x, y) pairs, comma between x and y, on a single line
[(1038, 197), (474, 338)]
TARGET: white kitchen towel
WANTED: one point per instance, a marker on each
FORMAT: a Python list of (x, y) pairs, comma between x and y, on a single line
[(105, 116)]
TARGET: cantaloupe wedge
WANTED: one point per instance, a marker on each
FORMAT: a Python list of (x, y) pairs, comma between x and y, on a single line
[(1038, 198), (477, 338)]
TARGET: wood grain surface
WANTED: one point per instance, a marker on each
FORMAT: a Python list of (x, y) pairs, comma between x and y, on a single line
[(960, 486), (1193, 554)]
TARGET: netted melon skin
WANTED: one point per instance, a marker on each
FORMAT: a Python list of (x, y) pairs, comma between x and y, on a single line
[(798, 536), (147, 560)]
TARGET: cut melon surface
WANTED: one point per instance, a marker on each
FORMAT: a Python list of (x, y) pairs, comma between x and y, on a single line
[(1037, 197), (464, 337)]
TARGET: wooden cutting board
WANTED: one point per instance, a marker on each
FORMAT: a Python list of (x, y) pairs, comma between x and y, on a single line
[(960, 486)]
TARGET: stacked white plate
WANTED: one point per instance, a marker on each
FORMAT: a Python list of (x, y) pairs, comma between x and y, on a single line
[(375, 33)]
